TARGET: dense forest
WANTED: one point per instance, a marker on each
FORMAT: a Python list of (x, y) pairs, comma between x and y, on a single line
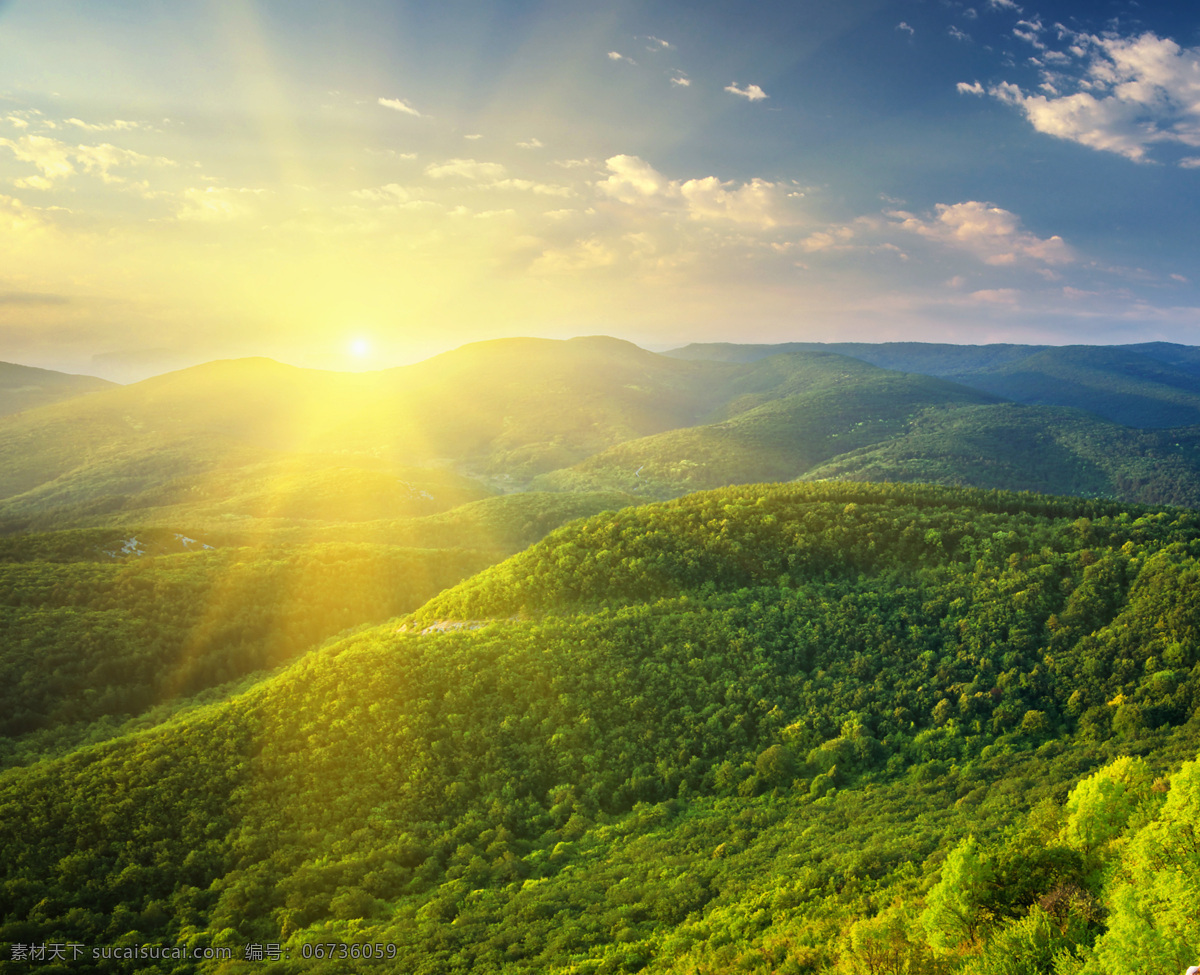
[(824, 727)]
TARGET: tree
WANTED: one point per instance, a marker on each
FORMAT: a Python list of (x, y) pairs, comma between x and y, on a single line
[(1100, 806), (1153, 926), (952, 914)]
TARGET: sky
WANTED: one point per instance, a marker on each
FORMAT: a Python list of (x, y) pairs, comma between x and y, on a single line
[(364, 184)]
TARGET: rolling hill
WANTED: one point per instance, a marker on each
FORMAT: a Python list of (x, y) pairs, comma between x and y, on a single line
[(26, 388), (256, 443), (798, 727), (266, 433), (1043, 449), (302, 660), (1155, 384), (770, 438)]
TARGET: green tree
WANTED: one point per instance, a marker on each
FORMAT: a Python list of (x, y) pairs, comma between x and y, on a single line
[(1099, 808), (952, 913)]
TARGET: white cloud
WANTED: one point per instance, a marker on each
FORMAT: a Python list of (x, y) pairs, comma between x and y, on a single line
[(389, 193), (634, 181), (34, 183), (996, 296), (543, 189), (103, 158), (957, 34), (212, 204), (466, 169), (1190, 162), (1004, 5), (17, 217), (750, 92), (53, 159), (827, 240), (490, 175), (658, 44), (965, 89), (1133, 92), (117, 125), (618, 56), (473, 136), (682, 81), (1028, 31), (990, 233), (531, 144), (710, 198), (906, 28), (400, 105)]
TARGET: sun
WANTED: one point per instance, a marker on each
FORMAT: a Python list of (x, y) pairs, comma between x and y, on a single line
[(360, 348)]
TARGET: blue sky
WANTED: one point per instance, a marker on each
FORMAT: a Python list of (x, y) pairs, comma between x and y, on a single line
[(363, 184)]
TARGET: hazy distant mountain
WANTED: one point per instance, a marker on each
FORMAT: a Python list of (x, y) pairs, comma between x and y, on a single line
[(256, 438), (238, 441), (844, 405), (26, 388), (1155, 384), (1052, 450)]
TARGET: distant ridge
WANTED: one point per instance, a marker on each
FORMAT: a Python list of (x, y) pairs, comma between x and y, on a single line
[(1151, 384), (233, 441), (27, 387)]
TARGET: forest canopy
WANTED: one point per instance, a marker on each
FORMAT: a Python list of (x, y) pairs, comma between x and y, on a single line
[(807, 727)]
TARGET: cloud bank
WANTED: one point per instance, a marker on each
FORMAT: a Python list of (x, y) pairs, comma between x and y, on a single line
[(1126, 95)]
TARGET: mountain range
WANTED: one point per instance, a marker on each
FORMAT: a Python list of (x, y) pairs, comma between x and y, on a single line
[(248, 439)]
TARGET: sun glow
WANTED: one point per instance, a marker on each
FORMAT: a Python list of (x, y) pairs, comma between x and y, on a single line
[(360, 348)]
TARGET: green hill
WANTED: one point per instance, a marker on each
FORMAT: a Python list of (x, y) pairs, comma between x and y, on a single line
[(256, 445), (253, 438), (1025, 448), (1155, 384), (1109, 381), (108, 628), (774, 727), (928, 358), (771, 438), (27, 388)]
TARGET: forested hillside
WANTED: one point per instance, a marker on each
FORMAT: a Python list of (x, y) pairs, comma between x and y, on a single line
[(825, 727), (298, 659), (1151, 384), (233, 445), (1046, 449)]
